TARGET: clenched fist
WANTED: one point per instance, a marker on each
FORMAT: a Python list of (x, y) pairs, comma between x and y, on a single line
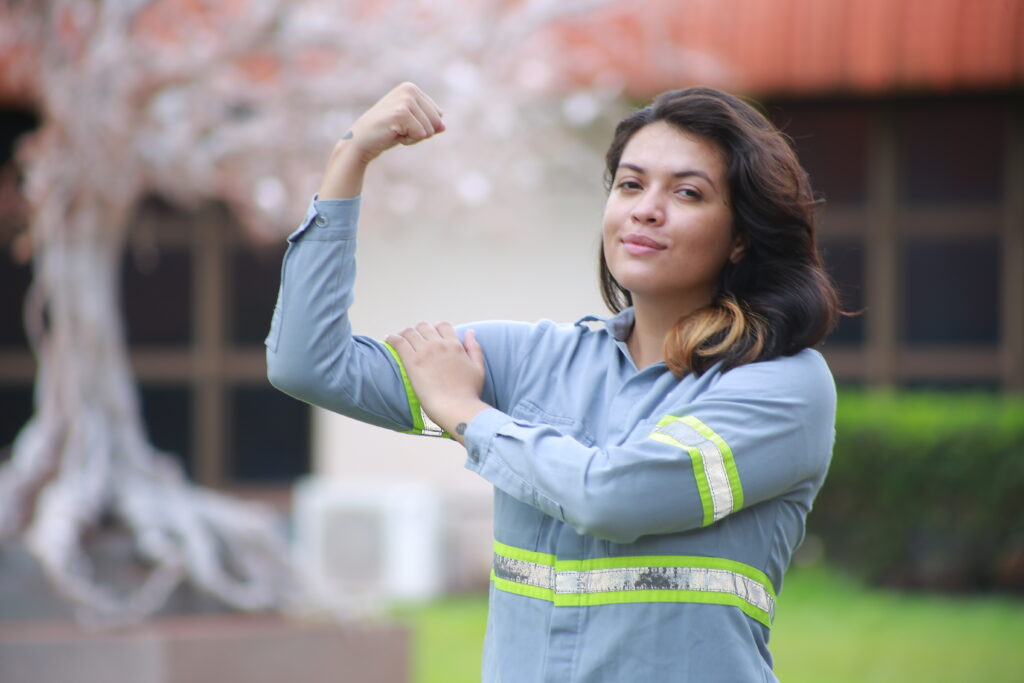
[(406, 115)]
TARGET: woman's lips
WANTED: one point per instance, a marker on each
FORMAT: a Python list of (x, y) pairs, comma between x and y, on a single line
[(639, 245)]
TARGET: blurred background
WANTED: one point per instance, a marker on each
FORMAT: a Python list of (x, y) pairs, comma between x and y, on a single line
[(189, 135)]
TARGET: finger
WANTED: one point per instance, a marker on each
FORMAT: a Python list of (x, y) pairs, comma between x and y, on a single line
[(413, 338), (428, 331), (409, 130), (432, 111), (425, 101), (445, 329), (435, 121), (418, 116), (398, 343), (473, 348), (425, 127), (428, 102)]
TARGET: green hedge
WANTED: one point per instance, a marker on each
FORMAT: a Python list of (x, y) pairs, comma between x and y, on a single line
[(926, 490)]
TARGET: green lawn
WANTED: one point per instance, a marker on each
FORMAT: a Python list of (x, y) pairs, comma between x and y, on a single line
[(827, 630)]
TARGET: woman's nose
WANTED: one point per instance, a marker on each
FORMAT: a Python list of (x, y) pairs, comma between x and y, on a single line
[(648, 211)]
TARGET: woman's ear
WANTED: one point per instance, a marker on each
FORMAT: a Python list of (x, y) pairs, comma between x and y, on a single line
[(739, 249)]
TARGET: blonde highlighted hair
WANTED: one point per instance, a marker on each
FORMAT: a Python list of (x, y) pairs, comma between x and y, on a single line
[(699, 339), (778, 299)]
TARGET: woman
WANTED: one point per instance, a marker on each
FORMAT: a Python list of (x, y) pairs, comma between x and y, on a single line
[(652, 474)]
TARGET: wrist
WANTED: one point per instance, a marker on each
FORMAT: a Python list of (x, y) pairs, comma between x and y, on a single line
[(458, 413), (348, 151), (346, 169)]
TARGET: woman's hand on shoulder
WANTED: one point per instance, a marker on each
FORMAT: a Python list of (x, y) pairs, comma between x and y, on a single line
[(405, 116), (447, 375)]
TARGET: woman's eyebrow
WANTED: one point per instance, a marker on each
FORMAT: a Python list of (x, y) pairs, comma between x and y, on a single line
[(678, 174)]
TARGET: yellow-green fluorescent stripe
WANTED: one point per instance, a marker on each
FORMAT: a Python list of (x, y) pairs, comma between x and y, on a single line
[(730, 461), (421, 424), (523, 589), (714, 468), (524, 555), (620, 580), (700, 561), (415, 410), (697, 463), (675, 596)]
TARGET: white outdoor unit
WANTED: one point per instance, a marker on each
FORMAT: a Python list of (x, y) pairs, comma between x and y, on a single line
[(364, 542)]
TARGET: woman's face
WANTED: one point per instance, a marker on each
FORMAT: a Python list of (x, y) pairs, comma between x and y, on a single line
[(667, 222)]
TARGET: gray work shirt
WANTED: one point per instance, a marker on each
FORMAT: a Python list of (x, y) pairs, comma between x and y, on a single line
[(642, 522)]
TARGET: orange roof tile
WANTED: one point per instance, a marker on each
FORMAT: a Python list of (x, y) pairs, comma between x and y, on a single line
[(753, 46), (800, 46)]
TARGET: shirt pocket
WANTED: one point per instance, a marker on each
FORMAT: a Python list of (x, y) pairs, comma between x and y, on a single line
[(528, 410)]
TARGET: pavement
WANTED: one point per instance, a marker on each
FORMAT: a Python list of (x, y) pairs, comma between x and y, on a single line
[(193, 640)]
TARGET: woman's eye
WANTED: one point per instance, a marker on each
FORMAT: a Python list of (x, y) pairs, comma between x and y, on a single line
[(689, 193), (629, 185)]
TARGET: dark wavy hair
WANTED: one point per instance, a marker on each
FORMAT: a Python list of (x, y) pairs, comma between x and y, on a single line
[(778, 299)]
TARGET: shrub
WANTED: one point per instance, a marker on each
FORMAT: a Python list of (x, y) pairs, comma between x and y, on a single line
[(926, 490)]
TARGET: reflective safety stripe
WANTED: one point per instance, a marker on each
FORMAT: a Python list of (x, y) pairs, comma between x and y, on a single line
[(421, 424), (618, 580), (718, 481)]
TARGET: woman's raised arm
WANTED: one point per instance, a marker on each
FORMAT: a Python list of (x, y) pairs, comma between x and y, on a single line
[(311, 351)]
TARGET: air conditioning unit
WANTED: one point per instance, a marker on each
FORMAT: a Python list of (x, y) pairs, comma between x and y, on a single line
[(367, 542)]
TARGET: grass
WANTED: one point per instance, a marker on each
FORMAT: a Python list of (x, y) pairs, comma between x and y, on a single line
[(827, 630), (448, 637), (831, 629)]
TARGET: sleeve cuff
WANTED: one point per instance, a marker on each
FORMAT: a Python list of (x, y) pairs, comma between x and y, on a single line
[(329, 219), (480, 432)]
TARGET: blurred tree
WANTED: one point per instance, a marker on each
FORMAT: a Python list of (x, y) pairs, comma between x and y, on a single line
[(237, 102)]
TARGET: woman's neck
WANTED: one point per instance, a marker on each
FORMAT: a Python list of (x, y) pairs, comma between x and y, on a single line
[(652, 321)]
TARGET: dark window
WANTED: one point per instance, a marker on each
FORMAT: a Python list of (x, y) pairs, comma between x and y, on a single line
[(845, 262), (270, 435), (951, 151), (14, 277), (14, 282), (255, 276), (15, 410), (156, 289), (167, 411), (951, 291), (831, 140), (13, 124)]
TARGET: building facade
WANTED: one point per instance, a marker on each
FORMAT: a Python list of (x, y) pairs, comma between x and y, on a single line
[(908, 116)]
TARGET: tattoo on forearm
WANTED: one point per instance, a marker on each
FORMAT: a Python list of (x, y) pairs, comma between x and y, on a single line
[(460, 428), (347, 136)]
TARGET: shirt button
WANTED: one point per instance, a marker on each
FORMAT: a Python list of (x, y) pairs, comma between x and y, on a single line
[(321, 221), (474, 455)]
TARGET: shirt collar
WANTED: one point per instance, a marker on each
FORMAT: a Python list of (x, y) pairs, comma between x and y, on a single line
[(618, 325)]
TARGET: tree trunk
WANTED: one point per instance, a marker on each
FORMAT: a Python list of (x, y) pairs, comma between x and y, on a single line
[(84, 459)]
